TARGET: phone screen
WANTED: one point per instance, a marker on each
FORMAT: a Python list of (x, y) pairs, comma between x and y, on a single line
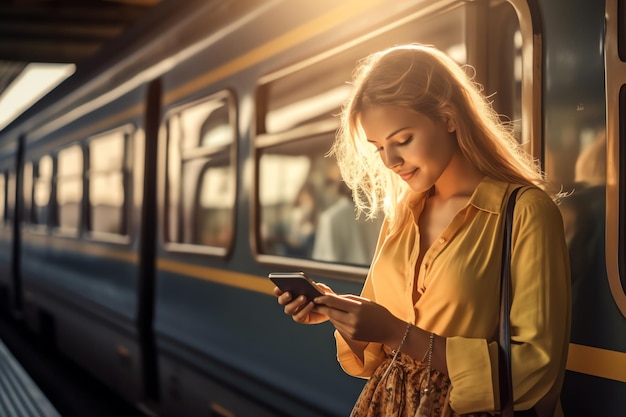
[(296, 283)]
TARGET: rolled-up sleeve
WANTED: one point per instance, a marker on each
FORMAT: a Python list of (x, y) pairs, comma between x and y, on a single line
[(352, 365), (471, 362)]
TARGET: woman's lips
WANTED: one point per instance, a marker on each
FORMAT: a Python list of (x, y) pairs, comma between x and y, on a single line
[(407, 175)]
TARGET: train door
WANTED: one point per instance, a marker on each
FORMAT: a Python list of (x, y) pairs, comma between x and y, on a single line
[(584, 104)]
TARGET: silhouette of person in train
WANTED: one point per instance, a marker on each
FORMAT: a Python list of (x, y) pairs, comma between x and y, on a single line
[(589, 184), (340, 237), (584, 214), (300, 233)]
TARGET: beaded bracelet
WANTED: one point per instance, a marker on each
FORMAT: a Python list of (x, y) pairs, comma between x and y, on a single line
[(406, 333)]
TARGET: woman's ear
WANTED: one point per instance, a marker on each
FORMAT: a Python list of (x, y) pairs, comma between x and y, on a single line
[(450, 125)]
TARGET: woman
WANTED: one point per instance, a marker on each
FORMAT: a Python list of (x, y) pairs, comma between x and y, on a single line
[(420, 141)]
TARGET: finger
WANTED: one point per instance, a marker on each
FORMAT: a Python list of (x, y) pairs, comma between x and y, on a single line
[(303, 312), (284, 298), (335, 315), (277, 291), (325, 288), (355, 297), (295, 306), (338, 302)]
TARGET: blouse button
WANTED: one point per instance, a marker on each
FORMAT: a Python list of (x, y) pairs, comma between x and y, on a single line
[(442, 240)]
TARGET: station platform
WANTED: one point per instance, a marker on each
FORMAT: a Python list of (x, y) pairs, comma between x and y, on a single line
[(36, 380), (19, 395)]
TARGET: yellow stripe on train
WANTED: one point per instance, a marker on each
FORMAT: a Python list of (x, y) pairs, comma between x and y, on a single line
[(604, 363)]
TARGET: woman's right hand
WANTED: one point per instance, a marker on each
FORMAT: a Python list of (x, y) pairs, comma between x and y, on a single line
[(301, 310)]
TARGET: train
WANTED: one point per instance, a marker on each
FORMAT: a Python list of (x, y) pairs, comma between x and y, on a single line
[(145, 200)]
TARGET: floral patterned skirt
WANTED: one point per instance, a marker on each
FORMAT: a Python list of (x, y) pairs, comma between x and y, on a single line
[(400, 391)]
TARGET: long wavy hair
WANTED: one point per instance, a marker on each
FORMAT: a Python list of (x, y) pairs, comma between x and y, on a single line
[(425, 80)]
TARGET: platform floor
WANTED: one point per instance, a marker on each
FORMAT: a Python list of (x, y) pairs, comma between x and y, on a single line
[(52, 386), (19, 395)]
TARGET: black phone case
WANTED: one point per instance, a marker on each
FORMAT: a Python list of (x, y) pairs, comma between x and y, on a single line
[(296, 283)]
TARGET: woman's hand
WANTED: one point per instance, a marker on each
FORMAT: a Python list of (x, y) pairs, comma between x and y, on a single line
[(360, 319), (301, 310)]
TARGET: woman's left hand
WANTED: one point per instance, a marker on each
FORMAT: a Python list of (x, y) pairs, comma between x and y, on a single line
[(361, 319)]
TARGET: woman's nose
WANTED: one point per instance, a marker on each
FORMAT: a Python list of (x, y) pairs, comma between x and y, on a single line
[(392, 157)]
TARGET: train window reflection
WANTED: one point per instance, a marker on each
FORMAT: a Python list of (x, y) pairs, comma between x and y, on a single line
[(69, 187), (200, 172), (42, 190), (107, 156)]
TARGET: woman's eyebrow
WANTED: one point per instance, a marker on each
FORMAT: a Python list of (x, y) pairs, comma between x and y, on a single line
[(395, 132)]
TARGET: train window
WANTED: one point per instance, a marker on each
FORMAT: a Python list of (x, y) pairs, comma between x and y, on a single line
[(201, 176), (316, 92), (42, 190), (11, 181), (69, 188), (306, 210), (576, 163), (302, 198), (27, 189), (3, 199), (299, 191), (107, 183)]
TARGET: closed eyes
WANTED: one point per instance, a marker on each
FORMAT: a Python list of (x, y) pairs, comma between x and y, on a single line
[(397, 143)]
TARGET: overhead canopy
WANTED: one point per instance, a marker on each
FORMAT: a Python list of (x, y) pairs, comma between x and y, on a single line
[(59, 31)]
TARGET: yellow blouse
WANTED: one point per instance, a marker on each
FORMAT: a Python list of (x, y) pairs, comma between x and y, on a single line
[(458, 283)]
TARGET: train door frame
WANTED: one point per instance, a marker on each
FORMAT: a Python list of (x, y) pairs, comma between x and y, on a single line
[(615, 76), (147, 246)]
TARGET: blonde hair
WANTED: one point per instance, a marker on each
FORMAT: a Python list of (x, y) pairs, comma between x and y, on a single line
[(425, 80)]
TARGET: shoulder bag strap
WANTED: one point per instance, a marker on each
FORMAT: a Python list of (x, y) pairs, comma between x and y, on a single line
[(506, 384)]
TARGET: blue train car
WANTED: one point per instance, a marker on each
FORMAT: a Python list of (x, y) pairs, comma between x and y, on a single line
[(144, 201), (80, 263)]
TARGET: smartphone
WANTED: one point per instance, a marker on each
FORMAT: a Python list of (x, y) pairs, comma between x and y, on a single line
[(296, 283)]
